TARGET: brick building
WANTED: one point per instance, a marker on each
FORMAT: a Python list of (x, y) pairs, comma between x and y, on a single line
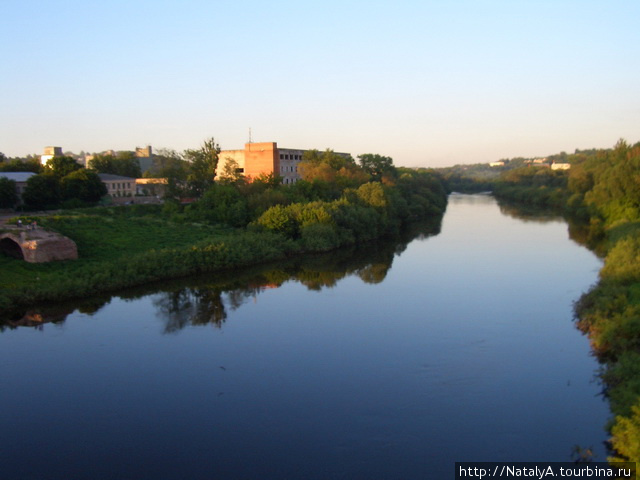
[(265, 158)]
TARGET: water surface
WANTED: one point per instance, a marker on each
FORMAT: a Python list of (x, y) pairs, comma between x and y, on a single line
[(388, 362)]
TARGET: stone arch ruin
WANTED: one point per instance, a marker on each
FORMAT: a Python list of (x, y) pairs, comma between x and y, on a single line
[(37, 245), (10, 247)]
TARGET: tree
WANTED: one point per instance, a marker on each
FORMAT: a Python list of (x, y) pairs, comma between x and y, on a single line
[(101, 163), (83, 185), (372, 194), (61, 166), (125, 164), (331, 167), (202, 167), (169, 164), (377, 165), (8, 193), (19, 165), (223, 203), (42, 191), (230, 172)]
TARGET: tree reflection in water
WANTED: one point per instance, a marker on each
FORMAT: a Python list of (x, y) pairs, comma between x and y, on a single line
[(205, 300)]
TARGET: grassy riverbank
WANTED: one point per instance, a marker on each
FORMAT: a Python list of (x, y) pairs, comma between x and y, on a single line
[(121, 249), (124, 246)]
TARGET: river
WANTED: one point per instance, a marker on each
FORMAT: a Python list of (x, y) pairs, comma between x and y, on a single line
[(393, 361)]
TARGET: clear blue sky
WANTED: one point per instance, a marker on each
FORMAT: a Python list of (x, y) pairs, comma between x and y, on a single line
[(429, 83)]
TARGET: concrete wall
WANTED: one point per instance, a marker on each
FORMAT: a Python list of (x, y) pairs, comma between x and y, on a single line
[(260, 158), (289, 160)]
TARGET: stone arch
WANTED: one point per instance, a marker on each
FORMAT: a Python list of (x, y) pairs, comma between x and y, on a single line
[(10, 247), (37, 246)]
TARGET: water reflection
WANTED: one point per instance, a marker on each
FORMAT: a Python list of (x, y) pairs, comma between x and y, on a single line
[(36, 318), (205, 300), (580, 231), (466, 352)]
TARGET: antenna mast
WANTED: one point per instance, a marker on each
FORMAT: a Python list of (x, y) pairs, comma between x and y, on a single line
[(250, 135)]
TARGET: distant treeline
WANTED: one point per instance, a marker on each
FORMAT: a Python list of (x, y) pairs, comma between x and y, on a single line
[(483, 177), (603, 188)]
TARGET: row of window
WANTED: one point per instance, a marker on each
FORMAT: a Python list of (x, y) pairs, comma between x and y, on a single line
[(290, 156), (119, 186), (286, 168)]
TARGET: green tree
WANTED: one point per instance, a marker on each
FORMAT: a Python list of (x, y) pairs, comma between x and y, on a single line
[(42, 191), (202, 167), (626, 437), (372, 194), (61, 166), (331, 167), (83, 185), (19, 165), (231, 172), (169, 164), (377, 165), (8, 193), (101, 163), (124, 163), (223, 203)]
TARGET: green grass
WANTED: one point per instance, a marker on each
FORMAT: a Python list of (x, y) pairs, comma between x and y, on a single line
[(108, 238), (103, 239)]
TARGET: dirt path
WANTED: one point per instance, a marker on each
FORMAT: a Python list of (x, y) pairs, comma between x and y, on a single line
[(5, 216)]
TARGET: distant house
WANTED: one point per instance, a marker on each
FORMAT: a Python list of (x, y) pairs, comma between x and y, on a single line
[(145, 157), (49, 153), (21, 181), (560, 166), (497, 164), (151, 186), (118, 186)]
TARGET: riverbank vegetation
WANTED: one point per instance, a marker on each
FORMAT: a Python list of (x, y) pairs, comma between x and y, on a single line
[(233, 223), (205, 299), (603, 188)]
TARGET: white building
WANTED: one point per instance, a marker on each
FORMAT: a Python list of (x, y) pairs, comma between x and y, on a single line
[(49, 153)]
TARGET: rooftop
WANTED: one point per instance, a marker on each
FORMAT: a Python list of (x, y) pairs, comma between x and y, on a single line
[(109, 176), (17, 176)]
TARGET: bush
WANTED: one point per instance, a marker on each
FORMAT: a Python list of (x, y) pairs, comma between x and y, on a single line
[(319, 237), (623, 261)]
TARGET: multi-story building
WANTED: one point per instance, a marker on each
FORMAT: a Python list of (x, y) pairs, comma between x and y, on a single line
[(118, 186), (263, 159)]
